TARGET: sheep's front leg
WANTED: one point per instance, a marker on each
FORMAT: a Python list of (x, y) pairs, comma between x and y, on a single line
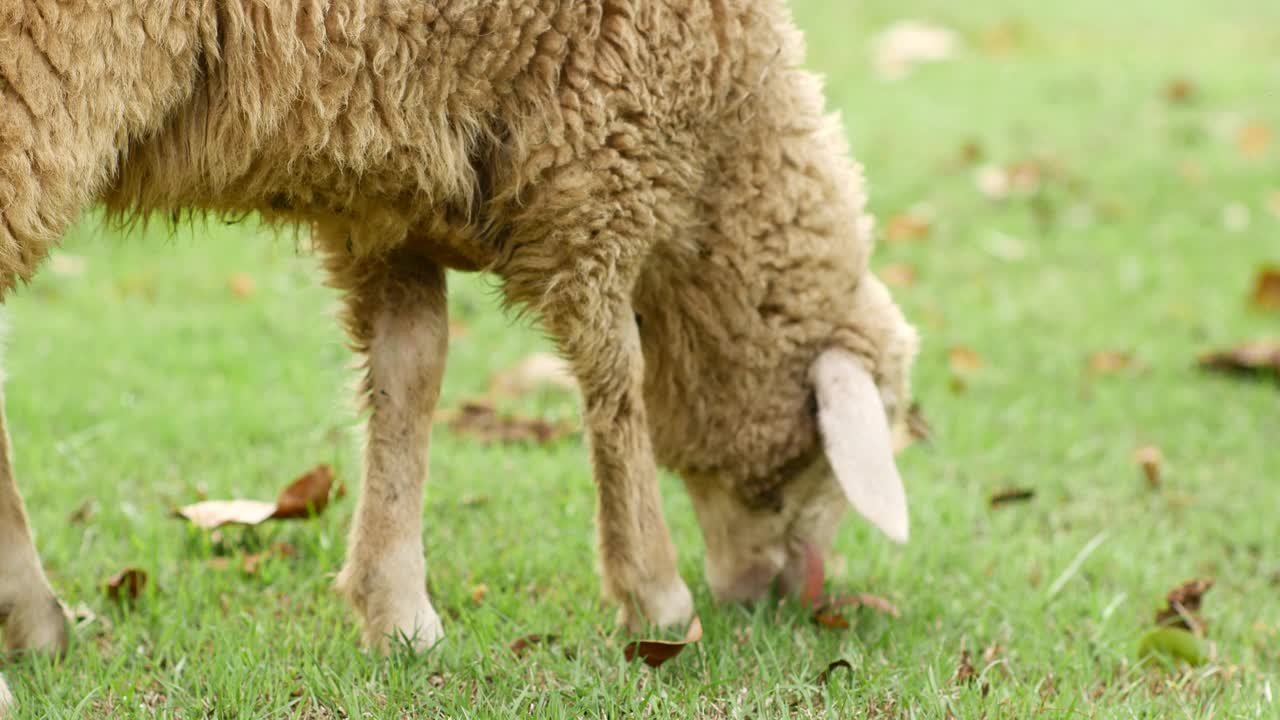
[(637, 557), (396, 314), (30, 614)]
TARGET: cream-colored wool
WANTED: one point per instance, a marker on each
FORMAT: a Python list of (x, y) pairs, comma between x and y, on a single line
[(655, 179)]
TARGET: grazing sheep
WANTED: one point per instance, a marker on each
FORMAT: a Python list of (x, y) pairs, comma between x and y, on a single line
[(655, 179)]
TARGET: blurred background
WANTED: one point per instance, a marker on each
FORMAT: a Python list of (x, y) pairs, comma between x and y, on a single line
[(1075, 201)]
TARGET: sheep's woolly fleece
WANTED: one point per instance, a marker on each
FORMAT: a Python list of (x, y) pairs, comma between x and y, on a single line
[(552, 143)]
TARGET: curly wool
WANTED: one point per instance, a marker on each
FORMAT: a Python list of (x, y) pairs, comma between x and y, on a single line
[(554, 144)]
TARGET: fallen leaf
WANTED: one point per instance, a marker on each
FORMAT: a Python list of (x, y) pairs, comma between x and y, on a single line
[(125, 585), (521, 646), (538, 370), (82, 514), (971, 152), (898, 49), (1266, 288), (1105, 362), (965, 672), (482, 422), (241, 284), (1183, 606), (910, 225), (1173, 643), (478, 592), (249, 564), (829, 613), (1253, 139), (305, 495), (67, 265), (898, 275), (657, 652), (825, 675), (1149, 458), (1252, 358), (1180, 91), (1011, 495), (963, 359)]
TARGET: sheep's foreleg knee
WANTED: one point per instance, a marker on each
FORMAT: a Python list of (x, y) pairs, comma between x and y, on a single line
[(30, 614), (636, 555), (397, 314)]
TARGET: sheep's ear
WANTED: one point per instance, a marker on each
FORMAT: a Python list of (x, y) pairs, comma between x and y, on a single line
[(855, 436)]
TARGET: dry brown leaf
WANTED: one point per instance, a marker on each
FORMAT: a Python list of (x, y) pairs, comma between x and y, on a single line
[(898, 275), (1011, 495), (309, 493), (1254, 358), (1266, 288), (1253, 140), (522, 645), (540, 369), (126, 585), (657, 652), (478, 593), (963, 359), (825, 675), (1109, 361), (82, 514), (241, 284), (1149, 458), (249, 563), (1180, 90), (909, 225), (482, 422), (965, 672), (1183, 606)]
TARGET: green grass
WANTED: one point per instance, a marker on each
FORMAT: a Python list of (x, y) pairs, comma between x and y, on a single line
[(144, 382)]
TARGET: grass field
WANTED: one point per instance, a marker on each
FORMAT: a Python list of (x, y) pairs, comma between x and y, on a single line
[(139, 381)]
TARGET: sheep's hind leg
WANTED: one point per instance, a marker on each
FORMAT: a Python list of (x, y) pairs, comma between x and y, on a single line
[(30, 615), (396, 313)]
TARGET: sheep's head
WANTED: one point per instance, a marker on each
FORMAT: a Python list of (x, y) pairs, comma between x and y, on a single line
[(851, 407)]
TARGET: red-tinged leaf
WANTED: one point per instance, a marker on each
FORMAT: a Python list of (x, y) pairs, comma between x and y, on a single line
[(522, 645), (127, 584), (825, 675), (657, 652), (307, 495)]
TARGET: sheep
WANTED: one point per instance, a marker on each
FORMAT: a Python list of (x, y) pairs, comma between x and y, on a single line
[(656, 181)]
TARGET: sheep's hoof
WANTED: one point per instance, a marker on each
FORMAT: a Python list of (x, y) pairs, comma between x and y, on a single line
[(36, 624), (669, 607), (418, 629)]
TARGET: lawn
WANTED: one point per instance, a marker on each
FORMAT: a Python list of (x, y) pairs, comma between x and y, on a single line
[(140, 380)]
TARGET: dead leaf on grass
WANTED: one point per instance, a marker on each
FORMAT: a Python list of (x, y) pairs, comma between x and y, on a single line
[(910, 225), (522, 645), (1106, 362), (1253, 140), (1182, 608), (241, 284), (898, 49), (1252, 358), (84, 513), (965, 672), (898, 275), (963, 359), (126, 585), (825, 675), (1150, 459), (539, 370), (478, 593), (306, 495), (1180, 91), (1266, 289), (1011, 495), (482, 422), (657, 652)]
